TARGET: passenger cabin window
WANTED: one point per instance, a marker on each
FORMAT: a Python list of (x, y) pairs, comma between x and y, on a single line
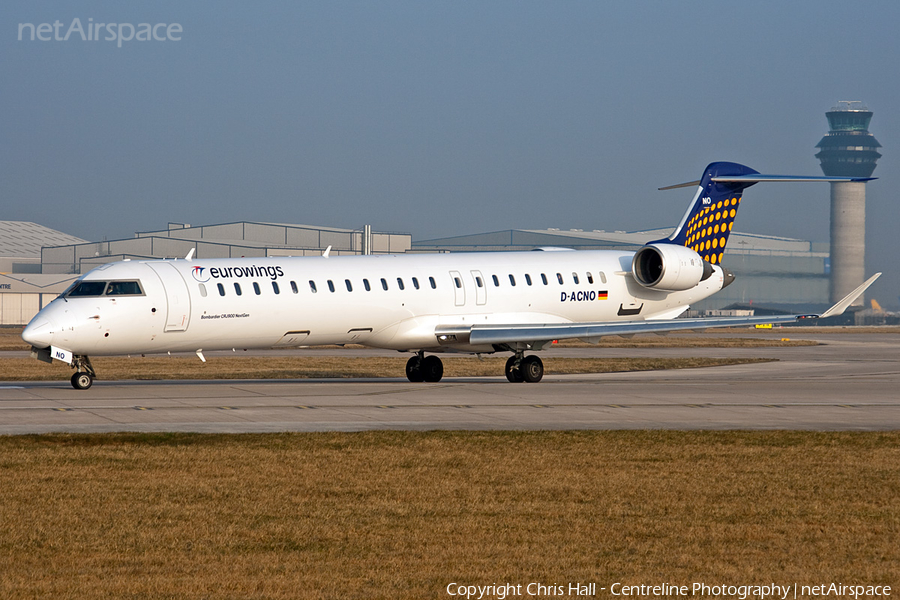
[(478, 281), (384, 283), (221, 289), (366, 285), (294, 287), (457, 282), (349, 285), (559, 278), (237, 288), (602, 277), (496, 281), (512, 280), (256, 289), (432, 282), (527, 278), (575, 278), (544, 279), (400, 283), (202, 290), (312, 286), (330, 286), (590, 277), (275, 287), (415, 283)]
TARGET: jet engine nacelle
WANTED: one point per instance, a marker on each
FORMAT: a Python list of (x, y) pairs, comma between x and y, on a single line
[(669, 267)]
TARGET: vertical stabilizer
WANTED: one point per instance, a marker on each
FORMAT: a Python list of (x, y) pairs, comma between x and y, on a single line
[(707, 223)]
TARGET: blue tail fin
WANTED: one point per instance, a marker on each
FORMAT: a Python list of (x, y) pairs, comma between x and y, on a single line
[(707, 223)]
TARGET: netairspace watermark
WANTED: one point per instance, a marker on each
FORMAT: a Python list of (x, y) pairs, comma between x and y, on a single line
[(94, 32), (766, 591)]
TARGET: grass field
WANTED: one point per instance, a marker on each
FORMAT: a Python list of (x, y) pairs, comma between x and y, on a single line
[(401, 515)]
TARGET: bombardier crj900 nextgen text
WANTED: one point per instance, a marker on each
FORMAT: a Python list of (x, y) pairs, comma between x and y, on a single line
[(478, 302)]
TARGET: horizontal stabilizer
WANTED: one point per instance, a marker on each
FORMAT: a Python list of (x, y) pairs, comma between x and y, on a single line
[(680, 185), (758, 177)]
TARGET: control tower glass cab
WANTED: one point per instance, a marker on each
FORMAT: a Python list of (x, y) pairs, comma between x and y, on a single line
[(848, 150)]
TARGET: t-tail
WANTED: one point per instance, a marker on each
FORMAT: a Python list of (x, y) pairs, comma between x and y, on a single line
[(685, 258), (680, 261), (707, 223)]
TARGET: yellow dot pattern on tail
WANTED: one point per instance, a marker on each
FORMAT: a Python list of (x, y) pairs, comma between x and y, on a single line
[(708, 230)]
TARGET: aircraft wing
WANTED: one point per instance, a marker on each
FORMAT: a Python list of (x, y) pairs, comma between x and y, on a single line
[(536, 334)]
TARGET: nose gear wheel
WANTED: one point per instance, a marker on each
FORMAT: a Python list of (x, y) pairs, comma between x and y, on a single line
[(84, 373)]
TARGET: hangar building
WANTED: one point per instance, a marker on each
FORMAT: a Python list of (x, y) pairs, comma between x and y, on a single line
[(24, 290), (222, 240)]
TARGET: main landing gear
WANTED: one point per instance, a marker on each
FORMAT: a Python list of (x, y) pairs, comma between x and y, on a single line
[(521, 368), (421, 368), (84, 373)]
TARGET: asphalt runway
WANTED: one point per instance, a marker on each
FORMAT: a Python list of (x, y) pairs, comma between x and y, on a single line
[(849, 382)]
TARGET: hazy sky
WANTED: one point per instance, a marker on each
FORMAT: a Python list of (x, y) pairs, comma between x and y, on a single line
[(439, 118)]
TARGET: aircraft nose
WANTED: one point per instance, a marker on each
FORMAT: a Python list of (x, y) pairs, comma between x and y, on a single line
[(39, 333)]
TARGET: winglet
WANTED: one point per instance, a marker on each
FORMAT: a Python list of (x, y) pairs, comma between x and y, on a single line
[(190, 254), (327, 252), (840, 307)]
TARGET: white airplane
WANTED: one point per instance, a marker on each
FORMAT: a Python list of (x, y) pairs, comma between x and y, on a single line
[(480, 302)]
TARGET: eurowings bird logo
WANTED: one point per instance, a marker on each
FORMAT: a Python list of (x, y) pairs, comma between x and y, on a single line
[(198, 274)]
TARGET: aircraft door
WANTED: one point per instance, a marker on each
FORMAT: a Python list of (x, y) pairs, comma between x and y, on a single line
[(178, 300), (459, 290), (480, 288)]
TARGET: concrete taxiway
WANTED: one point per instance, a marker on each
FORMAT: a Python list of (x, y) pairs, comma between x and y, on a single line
[(850, 382)]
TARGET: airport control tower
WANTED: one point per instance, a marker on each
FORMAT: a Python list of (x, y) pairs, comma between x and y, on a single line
[(848, 150)]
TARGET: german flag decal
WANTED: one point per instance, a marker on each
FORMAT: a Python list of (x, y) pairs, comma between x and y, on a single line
[(602, 295)]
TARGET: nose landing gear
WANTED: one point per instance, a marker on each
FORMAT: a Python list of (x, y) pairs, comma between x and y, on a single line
[(84, 374)]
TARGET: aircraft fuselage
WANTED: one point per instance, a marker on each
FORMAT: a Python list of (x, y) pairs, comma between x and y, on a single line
[(385, 301)]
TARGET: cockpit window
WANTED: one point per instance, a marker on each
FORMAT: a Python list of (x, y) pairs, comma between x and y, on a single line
[(88, 288), (124, 288), (72, 286), (106, 288)]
